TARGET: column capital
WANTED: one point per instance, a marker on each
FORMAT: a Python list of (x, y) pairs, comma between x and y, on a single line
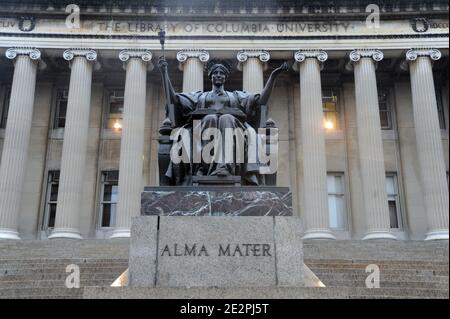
[(375, 54), (262, 55), (89, 54), (143, 54), (301, 55), (412, 55), (433, 54), (185, 54), (200, 54), (356, 55), (33, 53), (244, 55), (127, 54)]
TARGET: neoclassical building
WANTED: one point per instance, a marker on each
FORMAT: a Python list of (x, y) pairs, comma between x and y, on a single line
[(363, 113)]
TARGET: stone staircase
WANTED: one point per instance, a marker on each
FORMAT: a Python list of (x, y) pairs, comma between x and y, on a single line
[(407, 269), (37, 269)]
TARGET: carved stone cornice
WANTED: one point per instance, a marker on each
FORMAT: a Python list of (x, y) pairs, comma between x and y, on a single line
[(244, 55), (143, 54), (301, 55), (32, 53), (358, 54), (412, 55)]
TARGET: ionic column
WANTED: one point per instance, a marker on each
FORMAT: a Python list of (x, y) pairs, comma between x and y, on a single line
[(192, 65), (132, 141), (429, 143), (17, 138), (73, 160), (313, 145), (370, 144), (252, 64)]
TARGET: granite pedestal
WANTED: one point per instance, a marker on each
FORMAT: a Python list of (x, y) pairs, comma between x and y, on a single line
[(216, 251)]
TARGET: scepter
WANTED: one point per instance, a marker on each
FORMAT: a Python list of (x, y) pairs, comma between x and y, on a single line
[(162, 40)]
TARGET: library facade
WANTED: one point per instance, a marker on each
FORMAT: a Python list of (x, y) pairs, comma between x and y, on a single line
[(362, 113)]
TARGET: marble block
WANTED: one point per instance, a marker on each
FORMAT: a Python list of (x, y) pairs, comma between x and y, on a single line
[(216, 201), (217, 251)]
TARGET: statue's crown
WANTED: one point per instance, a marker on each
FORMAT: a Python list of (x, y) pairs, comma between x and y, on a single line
[(218, 63)]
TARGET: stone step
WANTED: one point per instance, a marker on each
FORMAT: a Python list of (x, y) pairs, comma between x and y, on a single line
[(40, 292), (426, 278), (52, 283), (386, 284), (89, 270), (400, 292), (62, 277), (417, 263), (60, 261), (258, 293), (381, 267)]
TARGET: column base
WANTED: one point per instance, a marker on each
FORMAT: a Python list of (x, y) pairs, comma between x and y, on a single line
[(380, 235), (65, 233), (6, 234), (121, 233), (437, 235), (318, 235)]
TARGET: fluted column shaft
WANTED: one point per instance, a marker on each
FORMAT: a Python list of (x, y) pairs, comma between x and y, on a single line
[(313, 146), (370, 145), (131, 146), (253, 77), (17, 138), (429, 146), (73, 160), (252, 63), (192, 65), (193, 75)]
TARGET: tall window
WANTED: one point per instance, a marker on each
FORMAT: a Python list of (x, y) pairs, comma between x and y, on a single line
[(108, 204), (393, 200), (440, 105), (61, 108), (51, 200), (5, 108), (385, 109), (336, 201), (115, 110), (330, 109)]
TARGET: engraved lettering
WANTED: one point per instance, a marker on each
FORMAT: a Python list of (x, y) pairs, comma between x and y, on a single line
[(224, 252)]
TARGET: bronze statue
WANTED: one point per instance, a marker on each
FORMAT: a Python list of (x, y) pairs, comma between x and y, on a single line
[(218, 109)]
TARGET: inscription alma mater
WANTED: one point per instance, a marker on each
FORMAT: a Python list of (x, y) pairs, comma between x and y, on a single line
[(222, 250)]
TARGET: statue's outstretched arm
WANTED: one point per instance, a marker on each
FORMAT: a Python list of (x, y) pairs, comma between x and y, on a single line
[(267, 91), (167, 84)]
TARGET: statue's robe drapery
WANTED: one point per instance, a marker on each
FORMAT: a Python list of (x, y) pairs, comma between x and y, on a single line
[(245, 102)]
